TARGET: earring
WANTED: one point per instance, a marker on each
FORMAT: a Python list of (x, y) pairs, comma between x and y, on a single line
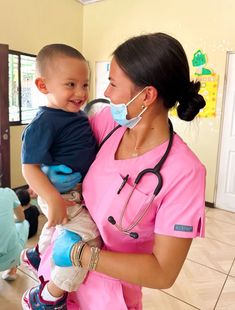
[(143, 106)]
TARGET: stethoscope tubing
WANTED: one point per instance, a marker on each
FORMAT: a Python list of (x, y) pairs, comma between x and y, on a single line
[(141, 214)]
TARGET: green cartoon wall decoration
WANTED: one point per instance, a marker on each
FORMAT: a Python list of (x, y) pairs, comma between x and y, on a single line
[(199, 61), (209, 84)]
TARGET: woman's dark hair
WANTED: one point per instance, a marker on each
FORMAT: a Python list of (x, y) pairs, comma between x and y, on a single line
[(159, 60), (23, 196)]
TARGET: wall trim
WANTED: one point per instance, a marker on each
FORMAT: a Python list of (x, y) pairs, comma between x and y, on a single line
[(210, 204)]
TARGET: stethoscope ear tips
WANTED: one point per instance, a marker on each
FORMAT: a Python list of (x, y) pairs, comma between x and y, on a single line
[(111, 220)]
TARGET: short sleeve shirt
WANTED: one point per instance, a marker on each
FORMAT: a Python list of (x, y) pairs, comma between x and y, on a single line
[(179, 208), (58, 137), (9, 238)]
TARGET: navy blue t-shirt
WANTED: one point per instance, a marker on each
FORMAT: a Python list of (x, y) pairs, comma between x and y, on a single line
[(58, 137)]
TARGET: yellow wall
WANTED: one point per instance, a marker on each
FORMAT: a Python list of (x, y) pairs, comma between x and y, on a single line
[(26, 26), (208, 25)]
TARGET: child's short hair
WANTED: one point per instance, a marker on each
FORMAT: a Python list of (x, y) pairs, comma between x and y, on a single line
[(48, 52), (23, 196)]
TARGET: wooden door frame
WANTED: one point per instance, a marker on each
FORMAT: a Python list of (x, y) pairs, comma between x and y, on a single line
[(4, 119)]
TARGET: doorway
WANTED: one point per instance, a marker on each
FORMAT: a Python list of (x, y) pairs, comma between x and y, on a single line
[(225, 196), (4, 119)]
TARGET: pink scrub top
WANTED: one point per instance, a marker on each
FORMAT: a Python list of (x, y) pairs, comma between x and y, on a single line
[(178, 210)]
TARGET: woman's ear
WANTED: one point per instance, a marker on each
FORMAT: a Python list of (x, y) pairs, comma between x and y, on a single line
[(41, 86), (151, 95)]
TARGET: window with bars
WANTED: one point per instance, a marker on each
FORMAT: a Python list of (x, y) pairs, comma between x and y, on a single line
[(24, 98)]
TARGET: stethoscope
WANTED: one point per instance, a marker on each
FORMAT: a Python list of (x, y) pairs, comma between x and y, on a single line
[(141, 214)]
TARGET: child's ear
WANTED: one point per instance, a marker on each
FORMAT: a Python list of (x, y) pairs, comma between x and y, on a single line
[(41, 86)]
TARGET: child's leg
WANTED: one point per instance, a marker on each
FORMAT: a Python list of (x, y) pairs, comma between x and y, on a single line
[(45, 238), (12, 259), (70, 278), (66, 279), (46, 233), (30, 257)]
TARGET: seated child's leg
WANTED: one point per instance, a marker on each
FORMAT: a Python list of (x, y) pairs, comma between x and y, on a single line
[(22, 229)]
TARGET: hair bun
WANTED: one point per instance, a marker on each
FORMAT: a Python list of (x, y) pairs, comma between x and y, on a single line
[(191, 102)]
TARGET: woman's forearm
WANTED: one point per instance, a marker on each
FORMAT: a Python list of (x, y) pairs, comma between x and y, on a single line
[(140, 269), (157, 270)]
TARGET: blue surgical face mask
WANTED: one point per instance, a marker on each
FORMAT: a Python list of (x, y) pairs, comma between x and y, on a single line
[(119, 113)]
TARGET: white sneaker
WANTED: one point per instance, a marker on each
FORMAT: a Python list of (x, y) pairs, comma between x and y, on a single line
[(8, 277)]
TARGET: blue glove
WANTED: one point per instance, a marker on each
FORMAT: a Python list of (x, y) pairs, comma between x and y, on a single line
[(62, 177), (63, 246)]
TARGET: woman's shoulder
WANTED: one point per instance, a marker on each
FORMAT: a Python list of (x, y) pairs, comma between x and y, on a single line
[(102, 123), (183, 157)]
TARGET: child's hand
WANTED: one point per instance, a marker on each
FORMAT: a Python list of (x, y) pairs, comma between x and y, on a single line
[(57, 212)]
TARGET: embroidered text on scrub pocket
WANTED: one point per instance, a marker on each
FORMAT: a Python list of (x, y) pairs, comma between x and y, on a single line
[(185, 228)]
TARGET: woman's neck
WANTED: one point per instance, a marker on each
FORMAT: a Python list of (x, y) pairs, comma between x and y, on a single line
[(148, 134)]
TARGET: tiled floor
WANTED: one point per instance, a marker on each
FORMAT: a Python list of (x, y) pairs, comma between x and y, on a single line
[(206, 282)]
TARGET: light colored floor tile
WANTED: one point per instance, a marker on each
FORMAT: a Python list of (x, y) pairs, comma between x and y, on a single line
[(227, 298), (27, 272), (198, 286), (212, 253), (221, 215), (155, 299), (220, 230), (11, 292)]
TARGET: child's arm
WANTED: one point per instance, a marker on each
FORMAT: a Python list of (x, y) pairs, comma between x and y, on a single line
[(19, 214), (44, 188)]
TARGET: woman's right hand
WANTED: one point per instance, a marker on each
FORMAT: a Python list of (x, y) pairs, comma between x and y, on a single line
[(63, 245), (62, 177)]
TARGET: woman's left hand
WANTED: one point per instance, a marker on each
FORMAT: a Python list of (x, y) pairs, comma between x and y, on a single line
[(63, 246), (62, 177)]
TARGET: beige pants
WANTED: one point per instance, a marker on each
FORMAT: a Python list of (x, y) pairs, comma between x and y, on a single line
[(80, 222)]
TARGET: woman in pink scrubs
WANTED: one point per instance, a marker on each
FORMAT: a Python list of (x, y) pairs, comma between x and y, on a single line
[(149, 75)]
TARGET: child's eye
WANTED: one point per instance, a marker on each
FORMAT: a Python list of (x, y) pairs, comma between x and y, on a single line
[(70, 84), (86, 85)]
